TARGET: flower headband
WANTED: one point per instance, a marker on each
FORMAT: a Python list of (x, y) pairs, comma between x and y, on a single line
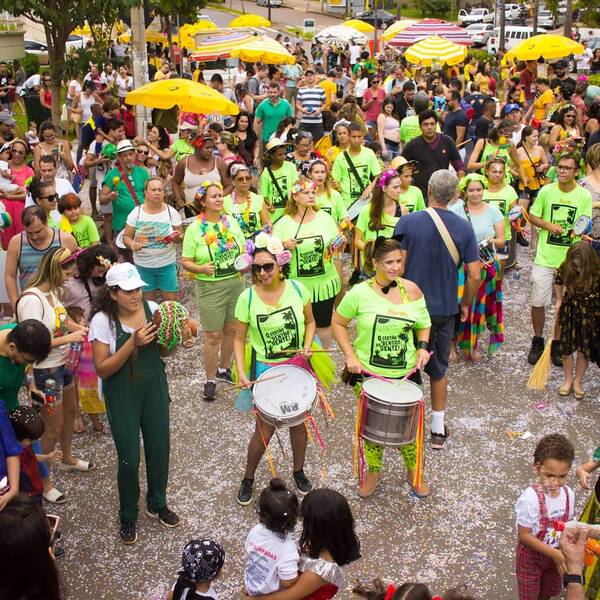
[(204, 188), (463, 184), (385, 178), (200, 139), (343, 122), (238, 168), (272, 244), (303, 186)]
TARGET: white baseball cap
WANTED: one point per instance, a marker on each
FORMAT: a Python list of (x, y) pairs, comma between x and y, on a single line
[(124, 276)]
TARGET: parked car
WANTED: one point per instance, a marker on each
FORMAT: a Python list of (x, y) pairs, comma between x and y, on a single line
[(514, 34), (39, 49), (512, 12), (548, 20), (75, 42), (594, 43), (377, 18), (477, 15), (480, 32), (273, 3)]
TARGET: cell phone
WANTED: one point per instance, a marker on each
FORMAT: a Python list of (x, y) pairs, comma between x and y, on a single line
[(53, 521), (4, 486), (38, 400)]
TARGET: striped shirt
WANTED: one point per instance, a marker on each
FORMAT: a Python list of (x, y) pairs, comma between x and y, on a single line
[(311, 99)]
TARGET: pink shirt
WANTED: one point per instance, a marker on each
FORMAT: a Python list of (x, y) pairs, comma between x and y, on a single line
[(373, 111)]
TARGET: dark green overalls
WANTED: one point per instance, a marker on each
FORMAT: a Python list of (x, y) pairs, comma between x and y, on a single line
[(134, 404)]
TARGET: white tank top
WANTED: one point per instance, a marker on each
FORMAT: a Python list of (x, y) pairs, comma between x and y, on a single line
[(86, 105), (192, 181)]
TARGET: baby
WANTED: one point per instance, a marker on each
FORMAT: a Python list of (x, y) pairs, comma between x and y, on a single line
[(6, 177), (31, 137)]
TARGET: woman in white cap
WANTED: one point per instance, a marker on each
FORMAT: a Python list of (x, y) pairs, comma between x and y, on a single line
[(128, 360)]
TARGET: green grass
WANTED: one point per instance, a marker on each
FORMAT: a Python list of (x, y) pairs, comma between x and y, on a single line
[(299, 33), (221, 6)]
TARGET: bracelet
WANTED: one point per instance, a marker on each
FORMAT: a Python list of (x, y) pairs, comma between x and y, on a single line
[(422, 345)]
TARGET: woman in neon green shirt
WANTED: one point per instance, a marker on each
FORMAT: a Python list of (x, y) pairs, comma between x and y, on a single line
[(391, 308), (210, 247), (379, 217), (307, 233), (275, 314), (248, 208), (410, 195)]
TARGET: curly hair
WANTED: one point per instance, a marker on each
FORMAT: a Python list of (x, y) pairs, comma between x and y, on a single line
[(556, 447), (278, 507)]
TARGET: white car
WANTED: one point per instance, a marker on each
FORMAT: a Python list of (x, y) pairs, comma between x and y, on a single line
[(512, 12), (547, 20), (477, 15), (273, 3), (480, 33)]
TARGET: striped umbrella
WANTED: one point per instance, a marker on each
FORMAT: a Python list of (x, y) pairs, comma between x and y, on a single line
[(436, 49), (395, 28), (219, 45), (427, 27)]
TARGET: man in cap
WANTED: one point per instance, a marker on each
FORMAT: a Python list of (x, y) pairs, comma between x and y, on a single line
[(409, 126), (562, 78), (7, 124), (514, 114), (123, 185)]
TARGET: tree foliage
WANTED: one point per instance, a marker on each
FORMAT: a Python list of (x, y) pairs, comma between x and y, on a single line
[(590, 15)]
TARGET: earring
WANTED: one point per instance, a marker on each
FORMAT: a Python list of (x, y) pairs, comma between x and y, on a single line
[(281, 276)]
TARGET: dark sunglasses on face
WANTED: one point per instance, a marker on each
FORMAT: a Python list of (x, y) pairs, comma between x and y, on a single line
[(51, 198), (145, 152), (267, 268), (242, 179)]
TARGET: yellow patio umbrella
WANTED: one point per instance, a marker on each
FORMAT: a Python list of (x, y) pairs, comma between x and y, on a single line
[(154, 37), (85, 30), (547, 46), (435, 49), (395, 28), (265, 50), (187, 32), (359, 25), (203, 25), (250, 20), (189, 96)]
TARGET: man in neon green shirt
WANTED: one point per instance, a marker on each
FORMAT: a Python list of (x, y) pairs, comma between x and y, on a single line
[(409, 126), (356, 168), (555, 210)]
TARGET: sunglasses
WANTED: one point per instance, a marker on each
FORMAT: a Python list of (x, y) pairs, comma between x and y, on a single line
[(15, 151), (51, 198), (267, 268), (143, 152), (243, 179)]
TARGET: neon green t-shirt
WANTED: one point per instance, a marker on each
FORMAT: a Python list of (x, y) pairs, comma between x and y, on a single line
[(366, 165), (384, 341), (412, 199), (247, 214), (273, 329), (311, 262), (124, 203), (410, 128), (504, 200), (181, 148), (560, 208), (84, 231), (195, 247), (362, 223), (285, 176), (333, 204)]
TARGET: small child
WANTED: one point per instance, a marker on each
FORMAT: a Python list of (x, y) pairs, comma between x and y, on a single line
[(6, 176), (201, 563), (271, 555), (31, 137), (439, 99), (578, 284), (73, 221), (539, 559), (29, 427)]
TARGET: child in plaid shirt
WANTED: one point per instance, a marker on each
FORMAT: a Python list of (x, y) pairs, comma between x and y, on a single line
[(540, 563)]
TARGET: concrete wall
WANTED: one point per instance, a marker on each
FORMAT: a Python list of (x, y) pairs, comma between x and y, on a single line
[(11, 45)]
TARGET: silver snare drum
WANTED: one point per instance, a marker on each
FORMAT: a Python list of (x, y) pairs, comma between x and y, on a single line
[(286, 400), (392, 411)]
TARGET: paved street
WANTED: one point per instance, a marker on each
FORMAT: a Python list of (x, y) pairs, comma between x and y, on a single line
[(464, 533)]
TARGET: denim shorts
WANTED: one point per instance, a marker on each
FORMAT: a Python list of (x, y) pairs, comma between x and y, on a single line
[(159, 278), (59, 375)]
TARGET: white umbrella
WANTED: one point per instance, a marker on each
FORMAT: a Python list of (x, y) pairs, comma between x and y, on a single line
[(341, 33)]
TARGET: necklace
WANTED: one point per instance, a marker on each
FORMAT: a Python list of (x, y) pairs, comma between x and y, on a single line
[(386, 288), (217, 234)]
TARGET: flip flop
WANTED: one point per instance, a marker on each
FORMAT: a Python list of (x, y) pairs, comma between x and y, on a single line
[(54, 496), (80, 465)]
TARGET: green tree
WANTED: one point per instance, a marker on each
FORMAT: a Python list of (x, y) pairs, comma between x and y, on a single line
[(59, 18), (435, 7), (590, 15)]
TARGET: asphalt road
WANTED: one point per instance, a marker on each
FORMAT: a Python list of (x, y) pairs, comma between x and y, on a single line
[(463, 533)]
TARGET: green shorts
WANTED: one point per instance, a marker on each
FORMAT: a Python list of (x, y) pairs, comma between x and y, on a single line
[(216, 302)]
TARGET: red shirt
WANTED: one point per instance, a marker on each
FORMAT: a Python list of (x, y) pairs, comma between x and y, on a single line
[(526, 80), (30, 481)]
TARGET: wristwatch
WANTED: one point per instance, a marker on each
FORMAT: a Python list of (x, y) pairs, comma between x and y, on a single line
[(422, 345), (569, 578)]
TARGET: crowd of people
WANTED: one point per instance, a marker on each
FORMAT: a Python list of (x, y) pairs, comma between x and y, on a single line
[(350, 189)]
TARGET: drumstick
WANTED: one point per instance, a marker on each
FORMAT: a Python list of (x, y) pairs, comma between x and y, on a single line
[(411, 372), (261, 379)]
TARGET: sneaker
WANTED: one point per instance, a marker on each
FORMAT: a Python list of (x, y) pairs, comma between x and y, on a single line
[(128, 533), (537, 349), (225, 375), (302, 482), (58, 552), (244, 496), (165, 516), (438, 440), (210, 391), (555, 354)]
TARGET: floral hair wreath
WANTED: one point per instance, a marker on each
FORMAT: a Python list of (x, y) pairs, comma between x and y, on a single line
[(204, 188), (200, 139), (386, 177), (272, 244), (303, 186), (463, 184)]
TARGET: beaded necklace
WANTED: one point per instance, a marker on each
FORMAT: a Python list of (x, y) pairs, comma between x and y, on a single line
[(217, 234), (245, 215)]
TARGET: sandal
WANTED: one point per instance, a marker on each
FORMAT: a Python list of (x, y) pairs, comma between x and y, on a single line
[(578, 394), (80, 465), (565, 391), (54, 496)]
